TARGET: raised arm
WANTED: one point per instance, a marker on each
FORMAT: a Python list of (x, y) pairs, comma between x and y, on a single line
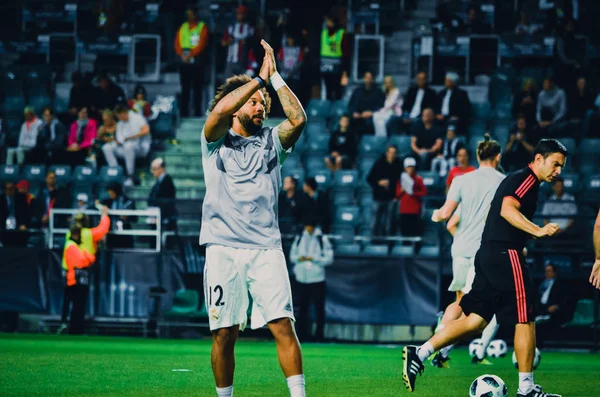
[(595, 276), (290, 129)]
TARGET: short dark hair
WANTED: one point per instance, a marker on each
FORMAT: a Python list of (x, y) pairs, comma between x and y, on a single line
[(48, 109), (548, 146), (50, 172), (553, 266), (121, 108), (558, 179), (312, 183), (234, 83), (488, 149)]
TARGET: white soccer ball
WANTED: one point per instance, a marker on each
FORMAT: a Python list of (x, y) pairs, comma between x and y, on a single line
[(497, 348), (536, 359), (476, 348), (488, 386)]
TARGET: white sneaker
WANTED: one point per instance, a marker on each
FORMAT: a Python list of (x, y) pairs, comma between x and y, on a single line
[(128, 182)]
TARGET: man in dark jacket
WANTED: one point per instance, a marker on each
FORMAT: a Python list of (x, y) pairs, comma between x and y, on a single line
[(290, 206), (364, 101), (418, 98), (383, 178), (51, 196), (551, 305), (109, 94), (316, 203), (51, 139), (14, 216), (163, 193), (454, 104)]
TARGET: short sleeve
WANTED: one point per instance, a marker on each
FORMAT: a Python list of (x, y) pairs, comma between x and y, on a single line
[(455, 192), (281, 152), (210, 148), (520, 187)]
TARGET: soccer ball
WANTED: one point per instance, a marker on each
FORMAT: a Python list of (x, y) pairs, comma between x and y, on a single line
[(488, 386), (497, 348), (476, 348), (536, 359)]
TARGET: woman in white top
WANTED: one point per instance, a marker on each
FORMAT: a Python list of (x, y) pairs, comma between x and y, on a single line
[(392, 105)]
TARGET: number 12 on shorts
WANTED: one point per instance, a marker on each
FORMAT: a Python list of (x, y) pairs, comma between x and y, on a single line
[(217, 290)]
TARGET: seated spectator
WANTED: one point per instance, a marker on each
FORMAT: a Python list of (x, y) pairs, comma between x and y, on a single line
[(462, 167), (560, 208), (474, 24), (291, 204), (23, 187), (580, 100), (391, 106), (418, 98), (290, 59), (426, 139), (83, 202), (139, 103), (383, 179), (520, 147), (364, 101), (106, 134), (454, 104), (410, 191), (163, 193), (551, 106), (51, 140), (108, 94), (316, 202), (82, 135), (27, 138), (524, 27), (311, 252), (343, 144), (447, 158), (51, 196), (132, 141), (117, 200), (551, 306), (525, 102), (14, 216)]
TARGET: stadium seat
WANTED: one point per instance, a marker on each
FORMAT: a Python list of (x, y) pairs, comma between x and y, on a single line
[(87, 189), (376, 250), (482, 111), (346, 180), (37, 79), (61, 105), (63, 174), (292, 161), (314, 162), (501, 133), (34, 173), (319, 143), (365, 166), (322, 176), (301, 145), (347, 249), (84, 175), (344, 232), (571, 181), (10, 173), (429, 251), (315, 128), (591, 189), (570, 144), (296, 172), (343, 198), (39, 102), (584, 314), (347, 215), (402, 142), (589, 147), (370, 144), (162, 127), (337, 110), (318, 109), (111, 174), (405, 251), (11, 81), (477, 128), (13, 104), (185, 302), (433, 182)]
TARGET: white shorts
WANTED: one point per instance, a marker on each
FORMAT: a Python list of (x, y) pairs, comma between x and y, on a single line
[(230, 273), (463, 272)]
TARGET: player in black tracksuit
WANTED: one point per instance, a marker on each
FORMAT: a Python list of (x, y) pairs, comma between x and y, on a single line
[(502, 284)]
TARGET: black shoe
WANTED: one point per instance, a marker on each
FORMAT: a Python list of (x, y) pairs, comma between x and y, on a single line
[(440, 361), (412, 367), (537, 392)]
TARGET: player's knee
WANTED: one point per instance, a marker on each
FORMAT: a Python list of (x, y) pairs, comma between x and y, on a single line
[(282, 329), (224, 337)]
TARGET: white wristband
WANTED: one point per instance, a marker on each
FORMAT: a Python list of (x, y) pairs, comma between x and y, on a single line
[(277, 81)]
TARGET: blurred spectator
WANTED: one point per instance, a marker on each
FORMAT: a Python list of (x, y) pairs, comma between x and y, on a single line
[(106, 134), (109, 94), (239, 39), (560, 208), (190, 45), (524, 26), (23, 187), (132, 141), (139, 102), (311, 252), (82, 135), (462, 167), (551, 305), (291, 58), (391, 106), (163, 193), (454, 104), (51, 139), (27, 138), (117, 200), (410, 191), (14, 216), (82, 202), (551, 106), (567, 55), (50, 196), (580, 100), (82, 95), (426, 139), (315, 204), (525, 102), (365, 100), (520, 147), (418, 98), (474, 24), (335, 57), (383, 178), (447, 158), (343, 145), (558, 13), (290, 203)]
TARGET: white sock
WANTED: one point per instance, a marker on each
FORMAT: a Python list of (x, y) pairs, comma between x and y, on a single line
[(296, 385), (225, 391), (487, 336), (446, 350), (424, 351), (525, 382)]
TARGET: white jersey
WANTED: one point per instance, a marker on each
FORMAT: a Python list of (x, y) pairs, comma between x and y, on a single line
[(243, 179), (474, 192)]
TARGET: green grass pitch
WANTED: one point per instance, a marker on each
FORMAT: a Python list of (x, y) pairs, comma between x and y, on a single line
[(38, 365)]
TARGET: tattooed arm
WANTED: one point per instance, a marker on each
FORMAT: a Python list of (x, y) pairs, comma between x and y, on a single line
[(290, 129)]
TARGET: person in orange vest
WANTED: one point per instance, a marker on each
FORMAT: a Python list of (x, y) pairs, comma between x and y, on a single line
[(190, 45)]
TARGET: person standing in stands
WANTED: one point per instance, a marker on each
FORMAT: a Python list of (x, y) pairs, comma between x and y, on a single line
[(14, 216), (162, 194), (462, 167), (51, 196), (290, 206), (383, 178), (109, 95), (316, 203), (190, 45), (335, 55), (410, 191), (238, 39)]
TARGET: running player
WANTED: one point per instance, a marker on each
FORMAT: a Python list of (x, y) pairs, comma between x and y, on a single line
[(502, 284), (474, 192), (242, 169), (595, 276)]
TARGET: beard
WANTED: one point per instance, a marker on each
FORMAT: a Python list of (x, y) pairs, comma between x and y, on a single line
[(248, 123)]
